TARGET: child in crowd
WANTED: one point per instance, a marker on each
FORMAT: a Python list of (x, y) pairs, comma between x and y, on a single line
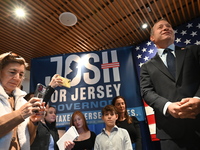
[(86, 138), (112, 137), (47, 133), (130, 123)]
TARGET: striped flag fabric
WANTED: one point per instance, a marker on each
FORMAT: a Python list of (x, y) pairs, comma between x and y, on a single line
[(186, 34), (110, 65)]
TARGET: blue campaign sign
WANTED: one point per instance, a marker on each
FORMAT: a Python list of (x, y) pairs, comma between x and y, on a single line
[(96, 78)]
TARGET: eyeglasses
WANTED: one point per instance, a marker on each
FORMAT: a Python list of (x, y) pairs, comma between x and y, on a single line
[(14, 55), (10, 56)]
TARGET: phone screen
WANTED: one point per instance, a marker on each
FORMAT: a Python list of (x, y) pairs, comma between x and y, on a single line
[(40, 91)]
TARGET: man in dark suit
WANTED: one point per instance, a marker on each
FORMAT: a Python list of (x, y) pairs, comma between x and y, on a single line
[(174, 96)]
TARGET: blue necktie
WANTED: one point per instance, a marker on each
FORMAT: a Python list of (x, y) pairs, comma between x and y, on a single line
[(171, 63)]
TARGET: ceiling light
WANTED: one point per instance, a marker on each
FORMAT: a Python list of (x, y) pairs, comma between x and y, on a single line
[(68, 19), (20, 12), (144, 26)]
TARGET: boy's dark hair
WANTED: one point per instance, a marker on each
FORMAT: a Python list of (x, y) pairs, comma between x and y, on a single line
[(107, 108)]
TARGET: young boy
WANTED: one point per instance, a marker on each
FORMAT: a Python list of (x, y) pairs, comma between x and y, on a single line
[(112, 137)]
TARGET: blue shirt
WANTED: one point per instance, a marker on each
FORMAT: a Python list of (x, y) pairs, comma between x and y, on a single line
[(118, 139), (51, 143)]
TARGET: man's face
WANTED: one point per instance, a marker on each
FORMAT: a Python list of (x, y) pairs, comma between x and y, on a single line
[(162, 32)]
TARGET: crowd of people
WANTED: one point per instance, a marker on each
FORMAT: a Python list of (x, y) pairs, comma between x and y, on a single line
[(26, 123)]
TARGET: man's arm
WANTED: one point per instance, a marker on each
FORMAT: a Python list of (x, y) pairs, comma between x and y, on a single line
[(148, 90)]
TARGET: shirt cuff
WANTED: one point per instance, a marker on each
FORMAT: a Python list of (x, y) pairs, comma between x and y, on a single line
[(165, 108), (196, 97)]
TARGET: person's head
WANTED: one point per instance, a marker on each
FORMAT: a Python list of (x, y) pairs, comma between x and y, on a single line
[(120, 104), (50, 115), (29, 96), (109, 115), (12, 71), (162, 34), (78, 120)]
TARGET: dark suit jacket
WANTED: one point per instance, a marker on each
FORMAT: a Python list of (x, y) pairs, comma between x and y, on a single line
[(159, 87)]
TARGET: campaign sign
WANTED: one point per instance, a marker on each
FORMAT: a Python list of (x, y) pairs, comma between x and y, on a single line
[(96, 78)]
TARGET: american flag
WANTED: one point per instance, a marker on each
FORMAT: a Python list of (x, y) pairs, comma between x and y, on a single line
[(186, 34)]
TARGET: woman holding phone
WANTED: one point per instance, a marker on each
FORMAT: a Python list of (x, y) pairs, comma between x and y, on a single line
[(47, 133), (18, 121)]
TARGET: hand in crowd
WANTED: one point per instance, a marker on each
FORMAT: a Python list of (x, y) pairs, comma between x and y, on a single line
[(31, 107), (39, 115), (186, 108), (69, 145), (55, 81)]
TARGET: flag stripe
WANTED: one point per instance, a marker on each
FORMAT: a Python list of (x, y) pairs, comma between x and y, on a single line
[(151, 119), (110, 65)]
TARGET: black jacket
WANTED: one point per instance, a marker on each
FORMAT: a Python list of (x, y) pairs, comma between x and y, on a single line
[(43, 132), (42, 138)]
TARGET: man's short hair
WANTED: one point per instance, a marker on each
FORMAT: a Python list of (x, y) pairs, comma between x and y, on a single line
[(151, 32)]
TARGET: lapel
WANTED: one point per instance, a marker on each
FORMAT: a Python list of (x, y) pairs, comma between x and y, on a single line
[(180, 55), (158, 63)]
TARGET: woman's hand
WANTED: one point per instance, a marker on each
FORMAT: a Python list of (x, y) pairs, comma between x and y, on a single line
[(38, 116), (69, 145), (55, 81), (31, 107)]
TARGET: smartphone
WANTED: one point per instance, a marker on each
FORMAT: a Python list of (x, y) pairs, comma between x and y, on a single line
[(66, 82), (40, 91)]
